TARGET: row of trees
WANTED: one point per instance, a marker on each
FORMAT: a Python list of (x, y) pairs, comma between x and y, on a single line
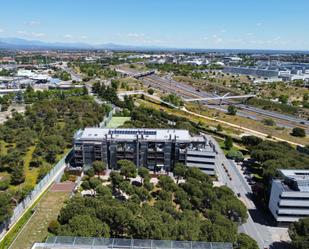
[(30, 96), (142, 117), (62, 75), (273, 106), (109, 94), (270, 156), (173, 99), (93, 70), (191, 210)]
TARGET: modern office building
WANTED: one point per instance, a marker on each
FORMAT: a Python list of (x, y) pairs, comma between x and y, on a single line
[(254, 71), (156, 149), (289, 198)]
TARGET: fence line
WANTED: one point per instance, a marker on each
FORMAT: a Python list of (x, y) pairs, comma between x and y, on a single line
[(107, 119), (32, 196), (20, 209)]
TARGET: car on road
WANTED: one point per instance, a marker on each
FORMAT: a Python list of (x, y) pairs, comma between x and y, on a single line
[(238, 194)]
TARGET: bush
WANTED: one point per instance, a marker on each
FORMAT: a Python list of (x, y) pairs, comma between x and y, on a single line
[(53, 226), (298, 132), (90, 172), (94, 182), (219, 128), (228, 143), (232, 110), (98, 166), (4, 183), (150, 91), (299, 233), (236, 155), (251, 140), (269, 122)]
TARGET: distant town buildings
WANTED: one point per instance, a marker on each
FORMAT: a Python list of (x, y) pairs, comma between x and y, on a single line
[(289, 198), (156, 149)]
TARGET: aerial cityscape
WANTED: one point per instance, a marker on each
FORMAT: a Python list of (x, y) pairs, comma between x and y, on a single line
[(154, 124)]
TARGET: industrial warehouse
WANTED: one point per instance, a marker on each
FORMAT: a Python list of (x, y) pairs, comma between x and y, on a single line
[(156, 149)]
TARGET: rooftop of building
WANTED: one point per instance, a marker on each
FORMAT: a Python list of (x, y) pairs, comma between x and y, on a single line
[(295, 180), (131, 134), (296, 174)]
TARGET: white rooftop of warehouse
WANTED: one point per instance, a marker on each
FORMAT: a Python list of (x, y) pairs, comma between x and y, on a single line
[(128, 134)]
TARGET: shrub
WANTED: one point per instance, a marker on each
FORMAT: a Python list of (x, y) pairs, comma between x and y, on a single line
[(298, 132), (53, 226), (150, 91)]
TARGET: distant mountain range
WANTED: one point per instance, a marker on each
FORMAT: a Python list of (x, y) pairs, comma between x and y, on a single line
[(18, 43)]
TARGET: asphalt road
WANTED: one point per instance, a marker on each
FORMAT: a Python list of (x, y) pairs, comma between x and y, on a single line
[(74, 76), (187, 91), (258, 225)]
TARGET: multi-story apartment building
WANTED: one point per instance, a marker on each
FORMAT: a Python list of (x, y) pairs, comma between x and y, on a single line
[(156, 149), (289, 198)]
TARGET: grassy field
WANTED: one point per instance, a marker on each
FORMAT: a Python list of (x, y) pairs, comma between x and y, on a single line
[(36, 229), (244, 122), (117, 121), (209, 123), (249, 123), (30, 174)]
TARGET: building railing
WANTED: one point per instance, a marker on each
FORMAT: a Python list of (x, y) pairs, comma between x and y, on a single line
[(116, 243)]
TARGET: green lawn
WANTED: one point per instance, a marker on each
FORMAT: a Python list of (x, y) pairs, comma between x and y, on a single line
[(36, 229), (234, 148), (117, 121)]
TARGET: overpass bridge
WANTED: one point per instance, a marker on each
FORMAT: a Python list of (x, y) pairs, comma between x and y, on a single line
[(134, 74), (221, 98), (121, 95)]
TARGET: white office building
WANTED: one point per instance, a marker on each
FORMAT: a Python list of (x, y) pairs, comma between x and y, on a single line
[(289, 198), (156, 149)]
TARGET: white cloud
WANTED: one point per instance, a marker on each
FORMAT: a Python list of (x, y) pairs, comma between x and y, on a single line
[(68, 36), (33, 23), (84, 37), (217, 39), (38, 35), (22, 32), (259, 24), (1, 30), (136, 35)]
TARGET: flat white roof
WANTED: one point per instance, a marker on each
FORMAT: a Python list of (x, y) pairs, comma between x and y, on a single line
[(295, 173), (128, 134)]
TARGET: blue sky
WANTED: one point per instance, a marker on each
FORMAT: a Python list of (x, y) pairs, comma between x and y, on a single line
[(266, 24)]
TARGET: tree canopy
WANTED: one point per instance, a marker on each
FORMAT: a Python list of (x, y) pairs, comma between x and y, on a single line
[(191, 210), (299, 232)]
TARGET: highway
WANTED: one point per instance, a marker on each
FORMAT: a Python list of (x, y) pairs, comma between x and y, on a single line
[(74, 76), (187, 92), (257, 225)]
